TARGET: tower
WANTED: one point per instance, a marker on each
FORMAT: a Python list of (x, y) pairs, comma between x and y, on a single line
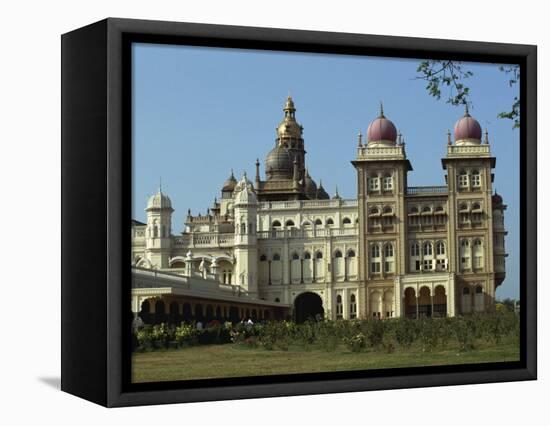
[(158, 241), (246, 250), (382, 168), (469, 177)]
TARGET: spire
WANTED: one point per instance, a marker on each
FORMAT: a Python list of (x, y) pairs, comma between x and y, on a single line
[(289, 108), (360, 139), (486, 137), (160, 184), (399, 138), (232, 175), (466, 110), (336, 194), (381, 110), (449, 137), (257, 170)]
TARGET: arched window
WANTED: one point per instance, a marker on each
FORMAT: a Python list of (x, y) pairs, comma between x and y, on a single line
[(277, 300), (289, 223), (330, 221), (415, 249), (476, 179), (465, 243), (276, 257), (428, 249), (375, 259), (440, 248), (479, 289), (466, 290), (318, 255), (478, 253), (263, 258), (306, 224), (374, 211), (426, 209), (276, 224), (388, 182), (414, 210), (439, 209), (388, 258), (352, 306), (318, 221), (295, 256), (476, 206), (338, 253), (346, 221), (339, 307), (351, 253), (463, 179), (307, 255), (388, 210), (415, 263)]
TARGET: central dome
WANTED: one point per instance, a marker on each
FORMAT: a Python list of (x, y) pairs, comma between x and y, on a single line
[(278, 163), (381, 131)]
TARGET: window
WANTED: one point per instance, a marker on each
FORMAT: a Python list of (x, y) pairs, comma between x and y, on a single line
[(463, 179), (476, 179), (289, 223), (476, 206), (318, 222), (427, 209), (375, 259), (263, 258), (276, 257), (478, 254), (276, 224), (415, 249), (479, 289), (388, 250), (330, 221), (440, 249), (318, 255), (374, 211), (388, 261), (388, 183), (374, 183), (414, 210), (428, 249), (338, 253), (339, 307), (307, 255), (441, 264), (387, 220), (346, 221), (295, 256), (428, 264), (351, 253), (352, 307)]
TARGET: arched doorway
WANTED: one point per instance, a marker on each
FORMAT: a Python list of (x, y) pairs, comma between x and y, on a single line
[(308, 306), (410, 303)]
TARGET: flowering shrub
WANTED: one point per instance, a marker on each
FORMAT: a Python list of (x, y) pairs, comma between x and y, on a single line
[(356, 343)]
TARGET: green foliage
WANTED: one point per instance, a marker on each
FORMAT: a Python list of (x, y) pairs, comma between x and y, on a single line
[(356, 343), (452, 76)]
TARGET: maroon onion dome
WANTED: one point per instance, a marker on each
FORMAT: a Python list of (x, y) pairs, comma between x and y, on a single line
[(497, 199), (467, 128), (381, 129)]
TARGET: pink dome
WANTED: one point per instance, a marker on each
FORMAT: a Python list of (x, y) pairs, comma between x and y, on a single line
[(497, 199), (381, 129), (467, 128)]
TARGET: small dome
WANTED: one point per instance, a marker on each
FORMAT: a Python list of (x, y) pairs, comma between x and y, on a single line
[(321, 193), (497, 199), (467, 130), (244, 192), (381, 131), (159, 201), (278, 163), (310, 187), (229, 184)]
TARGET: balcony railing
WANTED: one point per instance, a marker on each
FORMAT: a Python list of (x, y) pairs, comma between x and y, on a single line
[(307, 233), (306, 204), (205, 240), (426, 190)]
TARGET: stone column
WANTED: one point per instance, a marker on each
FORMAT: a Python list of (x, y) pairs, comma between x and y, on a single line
[(397, 297), (346, 302)]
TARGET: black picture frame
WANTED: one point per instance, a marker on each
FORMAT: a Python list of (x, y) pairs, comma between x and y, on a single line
[(96, 180)]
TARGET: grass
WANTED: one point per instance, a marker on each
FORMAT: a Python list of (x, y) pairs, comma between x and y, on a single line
[(216, 361)]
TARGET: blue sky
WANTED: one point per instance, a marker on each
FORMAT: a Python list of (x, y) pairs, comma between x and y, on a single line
[(198, 112)]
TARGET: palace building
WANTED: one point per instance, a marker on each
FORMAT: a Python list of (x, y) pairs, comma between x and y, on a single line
[(280, 246)]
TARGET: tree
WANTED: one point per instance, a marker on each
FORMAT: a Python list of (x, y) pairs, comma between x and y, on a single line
[(452, 76)]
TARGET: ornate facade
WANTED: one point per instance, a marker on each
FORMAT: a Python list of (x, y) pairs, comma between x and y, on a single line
[(283, 243)]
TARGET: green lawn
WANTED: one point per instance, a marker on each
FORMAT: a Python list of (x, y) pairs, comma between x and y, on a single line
[(215, 361)]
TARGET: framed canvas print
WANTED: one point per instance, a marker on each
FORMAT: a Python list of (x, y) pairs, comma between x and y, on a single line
[(253, 212)]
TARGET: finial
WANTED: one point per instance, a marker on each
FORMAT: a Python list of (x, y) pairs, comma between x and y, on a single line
[(486, 137), (188, 212), (466, 110), (403, 141), (449, 137), (320, 183), (257, 161), (399, 137), (244, 174), (360, 139), (232, 176), (336, 193), (381, 109), (160, 184)]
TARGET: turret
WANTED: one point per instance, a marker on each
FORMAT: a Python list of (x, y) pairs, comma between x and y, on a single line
[(159, 229)]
